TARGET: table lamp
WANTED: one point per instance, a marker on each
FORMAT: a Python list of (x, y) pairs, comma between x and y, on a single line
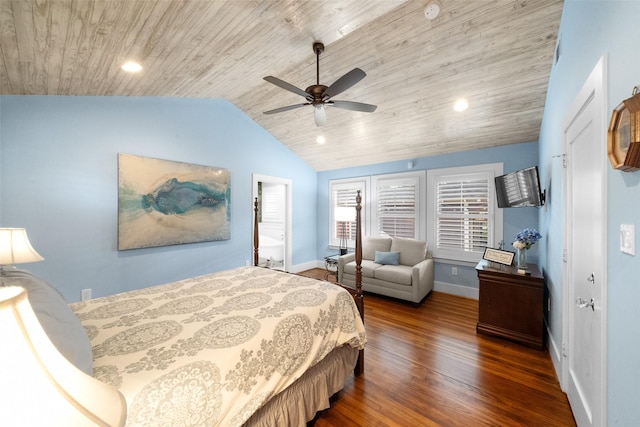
[(15, 248), (38, 386), (343, 215)]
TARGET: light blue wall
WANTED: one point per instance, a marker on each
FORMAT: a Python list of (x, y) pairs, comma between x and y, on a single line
[(58, 179), (590, 29), (514, 157)]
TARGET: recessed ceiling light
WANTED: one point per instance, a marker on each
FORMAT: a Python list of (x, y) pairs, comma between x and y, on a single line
[(461, 105), (320, 140), (131, 67)]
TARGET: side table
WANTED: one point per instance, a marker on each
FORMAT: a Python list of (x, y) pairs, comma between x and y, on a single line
[(331, 265)]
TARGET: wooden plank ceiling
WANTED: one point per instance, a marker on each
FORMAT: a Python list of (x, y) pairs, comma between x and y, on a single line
[(495, 53)]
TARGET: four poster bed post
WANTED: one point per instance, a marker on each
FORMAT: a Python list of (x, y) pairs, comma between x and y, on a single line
[(359, 296), (356, 293), (256, 240)]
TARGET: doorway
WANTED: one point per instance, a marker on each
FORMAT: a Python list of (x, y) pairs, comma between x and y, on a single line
[(584, 315), (274, 220)]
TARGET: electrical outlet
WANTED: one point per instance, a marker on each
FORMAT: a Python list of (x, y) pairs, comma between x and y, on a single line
[(85, 294), (454, 271)]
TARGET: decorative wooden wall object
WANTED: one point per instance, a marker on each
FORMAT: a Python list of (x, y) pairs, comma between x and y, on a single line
[(623, 145)]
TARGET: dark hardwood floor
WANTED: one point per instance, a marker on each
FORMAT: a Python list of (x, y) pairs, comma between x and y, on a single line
[(426, 366)]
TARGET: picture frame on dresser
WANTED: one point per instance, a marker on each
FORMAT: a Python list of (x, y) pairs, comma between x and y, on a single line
[(498, 256)]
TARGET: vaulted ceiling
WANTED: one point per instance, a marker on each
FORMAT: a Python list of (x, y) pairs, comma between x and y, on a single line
[(495, 53)]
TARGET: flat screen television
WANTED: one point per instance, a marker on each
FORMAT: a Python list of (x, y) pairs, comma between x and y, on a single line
[(519, 189)]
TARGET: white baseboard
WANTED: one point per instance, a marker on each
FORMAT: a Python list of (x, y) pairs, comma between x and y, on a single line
[(447, 288), (459, 290), (556, 356), (306, 266)]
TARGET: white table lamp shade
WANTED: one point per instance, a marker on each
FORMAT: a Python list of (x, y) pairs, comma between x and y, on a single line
[(15, 247), (38, 386), (343, 213)]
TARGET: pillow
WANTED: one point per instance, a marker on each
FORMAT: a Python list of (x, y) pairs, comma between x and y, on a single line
[(372, 244), (387, 258), (54, 314)]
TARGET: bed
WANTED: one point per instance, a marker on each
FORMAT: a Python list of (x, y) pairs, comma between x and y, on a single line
[(247, 346)]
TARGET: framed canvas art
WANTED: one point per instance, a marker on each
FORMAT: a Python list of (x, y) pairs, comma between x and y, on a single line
[(163, 202)]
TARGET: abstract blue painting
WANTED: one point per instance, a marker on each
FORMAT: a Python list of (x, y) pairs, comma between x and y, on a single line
[(163, 202)]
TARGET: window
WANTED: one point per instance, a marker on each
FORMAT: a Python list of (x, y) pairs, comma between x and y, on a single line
[(464, 218), (342, 215), (397, 208)]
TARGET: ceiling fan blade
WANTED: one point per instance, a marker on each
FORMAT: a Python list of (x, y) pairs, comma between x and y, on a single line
[(287, 86), (281, 109), (353, 106), (344, 83)]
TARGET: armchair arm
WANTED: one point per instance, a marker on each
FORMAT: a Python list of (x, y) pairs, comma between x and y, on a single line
[(422, 275), (342, 261)]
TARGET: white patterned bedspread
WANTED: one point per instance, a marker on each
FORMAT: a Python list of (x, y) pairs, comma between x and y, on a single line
[(211, 350)]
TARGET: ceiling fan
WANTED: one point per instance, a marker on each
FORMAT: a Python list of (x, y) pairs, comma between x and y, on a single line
[(319, 95)]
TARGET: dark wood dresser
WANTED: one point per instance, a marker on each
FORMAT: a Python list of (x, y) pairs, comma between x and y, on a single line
[(511, 304)]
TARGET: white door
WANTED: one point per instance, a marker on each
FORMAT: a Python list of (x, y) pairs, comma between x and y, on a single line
[(584, 316)]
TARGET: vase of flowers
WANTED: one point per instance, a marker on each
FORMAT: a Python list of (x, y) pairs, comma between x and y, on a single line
[(524, 240)]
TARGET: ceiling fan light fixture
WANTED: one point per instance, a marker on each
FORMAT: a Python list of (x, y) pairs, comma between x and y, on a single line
[(320, 115), (319, 95)]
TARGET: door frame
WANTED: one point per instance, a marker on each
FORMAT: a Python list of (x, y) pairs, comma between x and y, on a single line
[(594, 91), (288, 212)]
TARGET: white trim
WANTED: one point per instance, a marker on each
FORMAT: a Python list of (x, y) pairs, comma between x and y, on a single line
[(288, 248), (455, 262), (366, 183), (369, 203), (554, 352), (419, 178), (495, 213), (459, 290), (306, 266)]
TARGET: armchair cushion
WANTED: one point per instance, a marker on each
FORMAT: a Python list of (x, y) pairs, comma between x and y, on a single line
[(372, 244), (411, 251), (368, 268), (400, 274), (387, 258)]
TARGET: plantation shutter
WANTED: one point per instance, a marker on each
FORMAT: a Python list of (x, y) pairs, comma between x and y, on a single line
[(463, 212), (343, 214), (396, 212)]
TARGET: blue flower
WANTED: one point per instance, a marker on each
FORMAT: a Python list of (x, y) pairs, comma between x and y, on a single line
[(526, 238)]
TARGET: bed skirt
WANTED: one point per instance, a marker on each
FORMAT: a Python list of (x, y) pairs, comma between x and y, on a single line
[(299, 402)]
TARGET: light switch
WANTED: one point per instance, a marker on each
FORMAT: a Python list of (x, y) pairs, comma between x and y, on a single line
[(627, 239)]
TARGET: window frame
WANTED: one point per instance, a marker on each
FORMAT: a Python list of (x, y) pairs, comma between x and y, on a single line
[(362, 183), (418, 178), (494, 214)]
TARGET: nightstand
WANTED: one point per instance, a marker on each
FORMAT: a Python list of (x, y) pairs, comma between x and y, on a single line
[(511, 305)]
